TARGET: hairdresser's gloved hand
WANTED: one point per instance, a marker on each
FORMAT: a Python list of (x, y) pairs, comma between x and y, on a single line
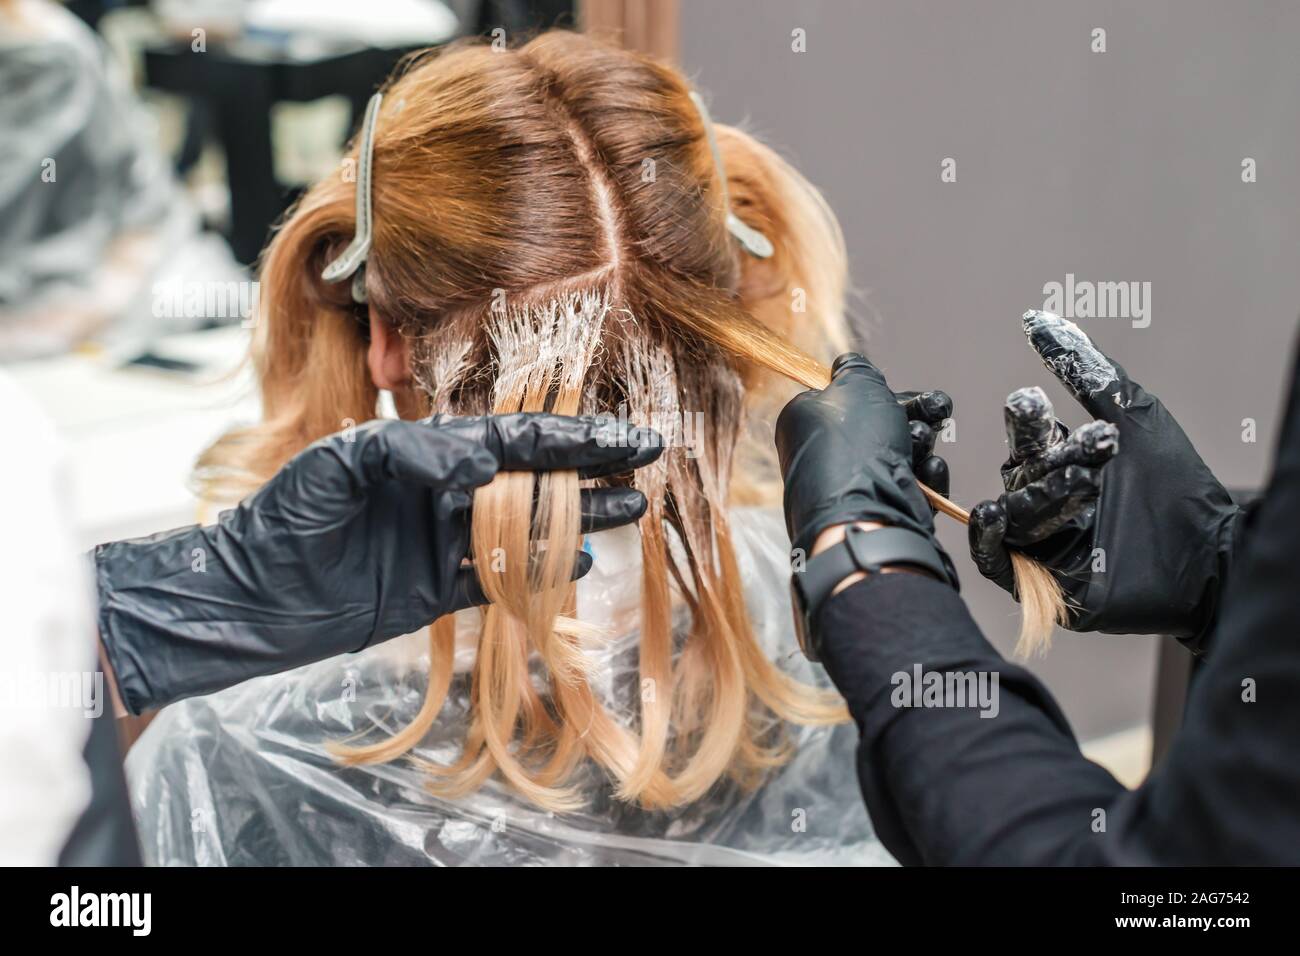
[(848, 453), (1140, 543), (926, 413), (358, 539)]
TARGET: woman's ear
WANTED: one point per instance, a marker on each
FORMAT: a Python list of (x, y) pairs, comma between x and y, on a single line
[(389, 357)]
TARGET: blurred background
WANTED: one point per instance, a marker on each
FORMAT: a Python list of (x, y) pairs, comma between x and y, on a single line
[(974, 153)]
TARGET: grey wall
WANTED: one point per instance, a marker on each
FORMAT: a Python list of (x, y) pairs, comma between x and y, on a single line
[(1123, 165)]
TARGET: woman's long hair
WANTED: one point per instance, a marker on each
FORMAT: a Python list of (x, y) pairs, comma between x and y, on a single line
[(549, 234)]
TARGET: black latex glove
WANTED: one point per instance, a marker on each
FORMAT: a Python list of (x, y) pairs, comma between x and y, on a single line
[(356, 540), (847, 454), (1141, 545), (926, 412)]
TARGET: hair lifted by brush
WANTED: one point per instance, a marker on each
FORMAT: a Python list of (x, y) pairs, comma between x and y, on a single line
[(549, 235)]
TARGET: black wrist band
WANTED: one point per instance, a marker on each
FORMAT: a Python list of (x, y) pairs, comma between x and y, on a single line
[(861, 550)]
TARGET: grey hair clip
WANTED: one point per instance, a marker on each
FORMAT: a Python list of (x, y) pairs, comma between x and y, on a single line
[(352, 261), (753, 241)]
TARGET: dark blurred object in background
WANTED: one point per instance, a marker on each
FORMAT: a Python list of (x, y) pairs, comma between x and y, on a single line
[(234, 81), (523, 16), (234, 72), (234, 86)]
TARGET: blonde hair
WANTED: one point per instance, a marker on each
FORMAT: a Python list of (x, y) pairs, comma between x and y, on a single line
[(549, 235)]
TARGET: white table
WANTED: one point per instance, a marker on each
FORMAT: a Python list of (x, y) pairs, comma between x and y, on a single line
[(133, 433)]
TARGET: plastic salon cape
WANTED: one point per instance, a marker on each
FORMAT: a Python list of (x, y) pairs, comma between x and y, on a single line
[(92, 220), (243, 777)]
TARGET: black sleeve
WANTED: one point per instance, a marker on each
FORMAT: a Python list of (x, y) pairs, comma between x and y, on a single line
[(995, 781), (104, 834), (1006, 783)]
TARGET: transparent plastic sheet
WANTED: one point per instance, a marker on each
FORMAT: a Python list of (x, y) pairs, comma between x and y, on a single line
[(94, 220), (243, 777)]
